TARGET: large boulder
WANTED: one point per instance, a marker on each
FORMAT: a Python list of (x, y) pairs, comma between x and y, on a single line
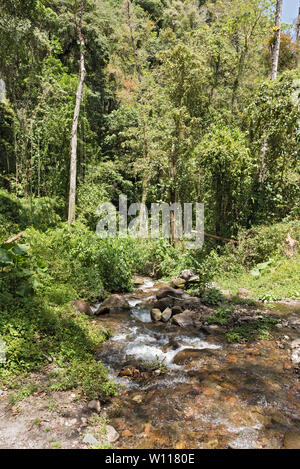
[(164, 303), (114, 303), (168, 291), (82, 307), (102, 310), (184, 319)]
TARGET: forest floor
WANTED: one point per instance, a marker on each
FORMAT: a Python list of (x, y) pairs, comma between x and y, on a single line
[(47, 420)]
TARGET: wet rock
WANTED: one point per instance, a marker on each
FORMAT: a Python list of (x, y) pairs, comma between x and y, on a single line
[(184, 319), (83, 307), (164, 303), (156, 314), (186, 355), (90, 440), (292, 440), (126, 433), (172, 344), (178, 283), (176, 310), (168, 291), (166, 315), (138, 281), (115, 303), (129, 372), (94, 405), (102, 310)]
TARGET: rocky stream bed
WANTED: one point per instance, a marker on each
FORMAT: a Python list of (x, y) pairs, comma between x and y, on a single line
[(200, 391)]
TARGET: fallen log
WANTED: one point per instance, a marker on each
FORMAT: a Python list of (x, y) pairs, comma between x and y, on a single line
[(15, 238), (234, 241)]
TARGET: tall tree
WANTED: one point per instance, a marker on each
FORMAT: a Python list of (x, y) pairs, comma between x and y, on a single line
[(276, 49), (298, 36), (82, 73)]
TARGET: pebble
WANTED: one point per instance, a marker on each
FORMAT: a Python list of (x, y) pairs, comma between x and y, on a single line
[(89, 439), (94, 405)]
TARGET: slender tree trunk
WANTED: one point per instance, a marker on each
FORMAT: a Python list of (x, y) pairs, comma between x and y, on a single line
[(173, 194), (276, 50), (73, 163), (274, 72), (298, 38)]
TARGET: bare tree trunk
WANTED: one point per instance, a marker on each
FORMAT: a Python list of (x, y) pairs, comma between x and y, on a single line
[(276, 50), (274, 72), (73, 164), (298, 37)]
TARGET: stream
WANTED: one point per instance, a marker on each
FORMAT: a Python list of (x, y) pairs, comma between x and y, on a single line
[(222, 396)]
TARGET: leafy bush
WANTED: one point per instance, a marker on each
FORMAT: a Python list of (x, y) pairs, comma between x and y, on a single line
[(212, 297), (258, 245), (17, 214), (16, 270)]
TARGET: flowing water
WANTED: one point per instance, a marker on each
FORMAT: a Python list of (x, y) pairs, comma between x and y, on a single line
[(223, 396)]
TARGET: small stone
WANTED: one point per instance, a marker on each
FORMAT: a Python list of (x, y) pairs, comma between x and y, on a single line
[(295, 345), (111, 434), (89, 439), (156, 314), (138, 398), (126, 433), (166, 315), (94, 405)]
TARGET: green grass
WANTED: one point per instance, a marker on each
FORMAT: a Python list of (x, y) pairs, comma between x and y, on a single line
[(34, 330), (221, 315), (280, 280), (254, 330)]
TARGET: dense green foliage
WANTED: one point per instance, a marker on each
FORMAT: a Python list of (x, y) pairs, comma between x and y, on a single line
[(177, 107)]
